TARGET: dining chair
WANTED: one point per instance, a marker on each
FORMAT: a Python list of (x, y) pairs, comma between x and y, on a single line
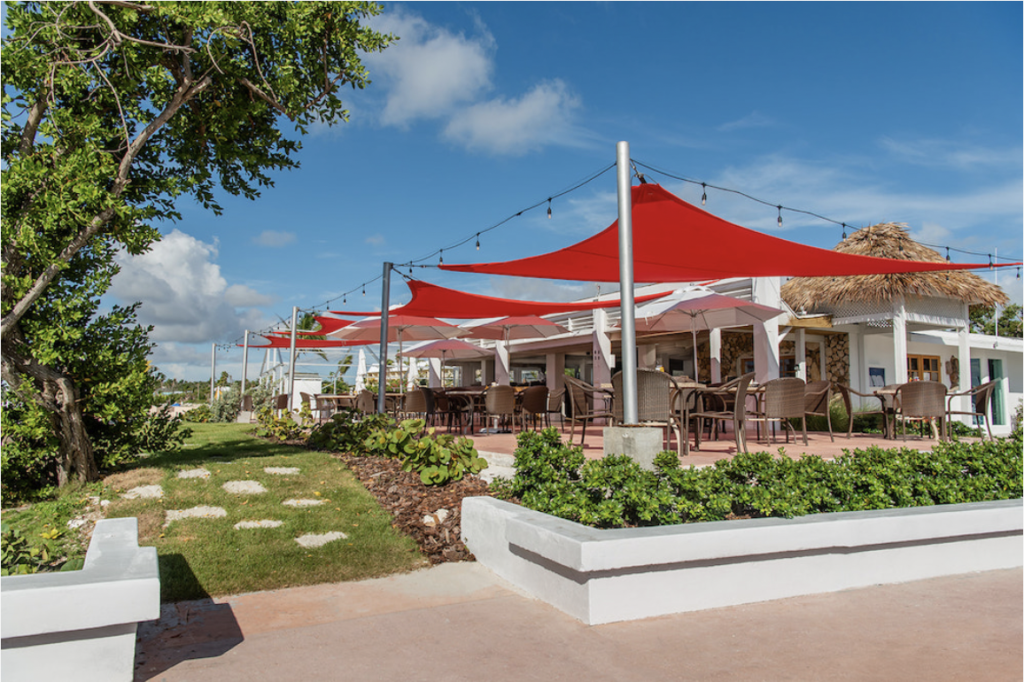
[(817, 399), (655, 392), (500, 403), (921, 401), (783, 400), (556, 405), (415, 405), (581, 395), (324, 408), (847, 394), (534, 404), (366, 402), (736, 390), (981, 399)]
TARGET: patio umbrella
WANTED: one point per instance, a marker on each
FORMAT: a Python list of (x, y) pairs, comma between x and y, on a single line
[(516, 327), (400, 328), (699, 308), (361, 372), (454, 349)]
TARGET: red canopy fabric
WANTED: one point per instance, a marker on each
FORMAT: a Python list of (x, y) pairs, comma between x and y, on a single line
[(674, 241), (327, 325), (286, 342), (431, 300)]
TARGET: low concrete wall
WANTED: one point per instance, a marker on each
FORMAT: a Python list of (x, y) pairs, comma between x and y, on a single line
[(604, 576), (80, 625)]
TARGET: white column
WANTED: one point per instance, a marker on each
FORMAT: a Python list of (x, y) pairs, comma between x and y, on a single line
[(801, 353), (603, 361), (899, 339), (502, 368), (964, 357), (554, 370), (715, 341), (766, 291)]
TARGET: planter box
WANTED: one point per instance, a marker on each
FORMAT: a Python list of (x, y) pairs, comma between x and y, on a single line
[(80, 625), (604, 576)]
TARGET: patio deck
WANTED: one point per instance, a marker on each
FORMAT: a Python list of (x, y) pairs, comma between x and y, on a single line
[(712, 451)]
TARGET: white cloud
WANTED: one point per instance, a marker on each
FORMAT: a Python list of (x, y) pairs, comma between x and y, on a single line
[(530, 289), (752, 120), (375, 239), (183, 294), (429, 71), (952, 154), (274, 239), (516, 126)]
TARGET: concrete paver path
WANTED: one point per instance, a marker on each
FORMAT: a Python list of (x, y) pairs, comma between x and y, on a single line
[(459, 622)]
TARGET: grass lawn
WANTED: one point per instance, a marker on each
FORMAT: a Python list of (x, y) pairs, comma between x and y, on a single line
[(202, 557)]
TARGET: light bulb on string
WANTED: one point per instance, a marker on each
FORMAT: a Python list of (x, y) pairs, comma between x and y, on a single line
[(477, 241), (364, 290), (440, 259), (549, 208), (1018, 273), (704, 195), (780, 215), (844, 230), (990, 265), (948, 260)]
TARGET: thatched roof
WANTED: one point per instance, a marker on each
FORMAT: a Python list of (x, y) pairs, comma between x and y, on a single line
[(888, 240)]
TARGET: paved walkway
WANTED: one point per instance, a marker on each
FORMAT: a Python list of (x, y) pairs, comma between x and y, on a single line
[(458, 622)]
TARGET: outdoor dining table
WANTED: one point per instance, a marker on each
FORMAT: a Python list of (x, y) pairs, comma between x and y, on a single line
[(887, 396), (469, 399)]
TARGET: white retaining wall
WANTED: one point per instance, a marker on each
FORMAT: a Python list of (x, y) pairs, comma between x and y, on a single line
[(604, 576), (80, 625)]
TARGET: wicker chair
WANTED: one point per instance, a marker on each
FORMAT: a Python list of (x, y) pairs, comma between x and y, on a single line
[(281, 402), (846, 392), (737, 414), (324, 409), (534, 404), (500, 402), (366, 402), (581, 395), (655, 392), (981, 398), (919, 401), (817, 398), (415, 406), (783, 400), (556, 401)]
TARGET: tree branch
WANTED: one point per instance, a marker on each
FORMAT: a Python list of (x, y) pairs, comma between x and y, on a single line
[(264, 96)]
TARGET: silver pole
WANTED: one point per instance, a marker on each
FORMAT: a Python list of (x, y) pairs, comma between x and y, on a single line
[(382, 375), (630, 411), (245, 363), (291, 358), (213, 370)]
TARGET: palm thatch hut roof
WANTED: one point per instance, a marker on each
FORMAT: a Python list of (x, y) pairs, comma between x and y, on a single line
[(888, 240)]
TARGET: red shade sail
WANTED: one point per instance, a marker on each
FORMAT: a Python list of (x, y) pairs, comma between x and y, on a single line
[(327, 325), (286, 342), (431, 300), (674, 241)]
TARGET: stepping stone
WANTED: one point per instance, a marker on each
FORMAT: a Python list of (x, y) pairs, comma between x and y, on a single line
[(311, 540), (302, 503), (258, 524), (244, 487), (194, 513), (194, 473), (281, 471), (144, 492)]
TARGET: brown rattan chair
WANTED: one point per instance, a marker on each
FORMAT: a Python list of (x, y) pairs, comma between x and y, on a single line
[(655, 392), (324, 408), (556, 403), (817, 399), (981, 398), (415, 405), (581, 396), (846, 392), (366, 402), (736, 391), (783, 400), (534, 404), (281, 402), (921, 401), (500, 403)]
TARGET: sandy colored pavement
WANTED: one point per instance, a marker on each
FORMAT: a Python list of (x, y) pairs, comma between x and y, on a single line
[(459, 622)]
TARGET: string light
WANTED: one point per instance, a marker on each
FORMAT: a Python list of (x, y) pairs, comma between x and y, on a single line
[(780, 215), (990, 265), (549, 208), (948, 260), (704, 195), (844, 230), (364, 290), (440, 259), (477, 242), (1018, 273)]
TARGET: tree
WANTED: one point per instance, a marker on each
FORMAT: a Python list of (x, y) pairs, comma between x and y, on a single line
[(983, 321), (113, 111)]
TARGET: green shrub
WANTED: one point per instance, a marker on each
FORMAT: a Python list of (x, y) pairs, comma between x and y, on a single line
[(437, 458), (552, 477), (198, 415), (347, 431)]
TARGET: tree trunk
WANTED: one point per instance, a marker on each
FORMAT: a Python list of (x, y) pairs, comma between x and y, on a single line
[(58, 395)]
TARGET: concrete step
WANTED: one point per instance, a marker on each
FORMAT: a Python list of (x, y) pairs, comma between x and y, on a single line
[(498, 464)]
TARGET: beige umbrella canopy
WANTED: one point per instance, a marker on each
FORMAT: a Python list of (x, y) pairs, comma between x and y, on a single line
[(888, 240)]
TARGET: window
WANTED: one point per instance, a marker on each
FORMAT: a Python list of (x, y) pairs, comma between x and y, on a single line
[(787, 366), (923, 368)]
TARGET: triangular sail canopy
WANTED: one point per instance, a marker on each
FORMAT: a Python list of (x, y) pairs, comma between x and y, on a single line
[(286, 342), (674, 241), (431, 300)]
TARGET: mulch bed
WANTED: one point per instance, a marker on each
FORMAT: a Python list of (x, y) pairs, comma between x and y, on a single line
[(409, 501)]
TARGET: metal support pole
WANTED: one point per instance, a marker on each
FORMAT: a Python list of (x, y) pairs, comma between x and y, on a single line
[(291, 357), (385, 304), (630, 411), (213, 370), (245, 363)]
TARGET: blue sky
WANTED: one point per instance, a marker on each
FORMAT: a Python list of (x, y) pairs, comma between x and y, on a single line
[(862, 112)]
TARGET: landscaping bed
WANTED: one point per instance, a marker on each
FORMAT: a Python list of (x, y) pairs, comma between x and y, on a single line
[(415, 507)]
